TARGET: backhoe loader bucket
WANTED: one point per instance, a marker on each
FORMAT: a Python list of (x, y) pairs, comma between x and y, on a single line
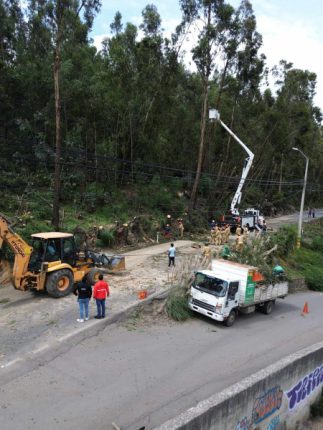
[(117, 263), (113, 263)]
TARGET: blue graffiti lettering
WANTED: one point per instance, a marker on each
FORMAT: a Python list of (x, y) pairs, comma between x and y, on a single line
[(304, 387), (274, 423)]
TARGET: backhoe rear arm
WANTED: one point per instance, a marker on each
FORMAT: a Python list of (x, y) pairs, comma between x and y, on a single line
[(21, 250)]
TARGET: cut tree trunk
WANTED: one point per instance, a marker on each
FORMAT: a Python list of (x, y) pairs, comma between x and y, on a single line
[(57, 172), (201, 148)]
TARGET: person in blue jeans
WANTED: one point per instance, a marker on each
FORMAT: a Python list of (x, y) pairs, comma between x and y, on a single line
[(100, 292), (83, 291), (171, 255)]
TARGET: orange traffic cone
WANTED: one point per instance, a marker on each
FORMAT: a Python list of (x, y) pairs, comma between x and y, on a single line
[(142, 294), (305, 309)]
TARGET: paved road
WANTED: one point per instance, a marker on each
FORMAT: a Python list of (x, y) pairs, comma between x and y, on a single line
[(135, 375), (148, 375), (291, 219), (30, 322)]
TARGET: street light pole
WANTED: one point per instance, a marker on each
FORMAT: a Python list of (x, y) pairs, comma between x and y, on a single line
[(299, 233)]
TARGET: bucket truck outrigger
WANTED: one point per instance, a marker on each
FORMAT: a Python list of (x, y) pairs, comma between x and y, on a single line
[(251, 216)]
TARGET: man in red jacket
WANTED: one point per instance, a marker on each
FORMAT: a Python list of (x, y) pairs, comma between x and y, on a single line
[(100, 293)]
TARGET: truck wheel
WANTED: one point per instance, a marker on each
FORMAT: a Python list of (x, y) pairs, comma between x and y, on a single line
[(231, 319), (268, 307), (60, 283), (93, 276)]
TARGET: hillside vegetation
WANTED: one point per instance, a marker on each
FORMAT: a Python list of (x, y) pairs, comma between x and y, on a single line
[(98, 136)]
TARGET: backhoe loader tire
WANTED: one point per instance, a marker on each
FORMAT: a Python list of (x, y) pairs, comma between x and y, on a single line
[(60, 283), (93, 276)]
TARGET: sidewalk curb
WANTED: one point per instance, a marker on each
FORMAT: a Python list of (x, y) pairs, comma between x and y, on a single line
[(48, 352)]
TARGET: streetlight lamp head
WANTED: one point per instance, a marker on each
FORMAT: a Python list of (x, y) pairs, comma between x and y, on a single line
[(295, 149)]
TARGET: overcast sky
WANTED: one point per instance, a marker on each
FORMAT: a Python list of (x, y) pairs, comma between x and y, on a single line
[(292, 29)]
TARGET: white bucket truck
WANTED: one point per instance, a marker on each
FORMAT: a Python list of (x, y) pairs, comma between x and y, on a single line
[(230, 288)]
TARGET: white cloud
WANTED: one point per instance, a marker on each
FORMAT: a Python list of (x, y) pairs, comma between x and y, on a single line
[(97, 40), (294, 41)]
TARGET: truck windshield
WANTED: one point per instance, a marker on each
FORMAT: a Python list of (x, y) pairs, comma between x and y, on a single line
[(211, 285)]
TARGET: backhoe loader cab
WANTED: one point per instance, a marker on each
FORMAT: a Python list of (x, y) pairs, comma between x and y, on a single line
[(49, 247)]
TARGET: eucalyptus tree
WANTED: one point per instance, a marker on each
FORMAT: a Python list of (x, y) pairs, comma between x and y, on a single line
[(241, 75), (12, 41), (299, 118), (65, 21), (216, 27), (141, 69)]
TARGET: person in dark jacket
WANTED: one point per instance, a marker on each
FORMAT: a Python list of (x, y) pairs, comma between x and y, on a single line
[(83, 291)]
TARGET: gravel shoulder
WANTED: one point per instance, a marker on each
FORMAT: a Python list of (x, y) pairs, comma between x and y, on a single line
[(31, 322)]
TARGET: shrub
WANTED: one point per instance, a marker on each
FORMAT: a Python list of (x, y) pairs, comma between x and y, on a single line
[(106, 237), (317, 243), (303, 257), (285, 239), (313, 276), (176, 305)]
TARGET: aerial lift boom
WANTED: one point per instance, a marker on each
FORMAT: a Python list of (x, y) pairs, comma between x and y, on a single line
[(214, 114)]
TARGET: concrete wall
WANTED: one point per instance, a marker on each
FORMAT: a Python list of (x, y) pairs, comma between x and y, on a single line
[(276, 398)]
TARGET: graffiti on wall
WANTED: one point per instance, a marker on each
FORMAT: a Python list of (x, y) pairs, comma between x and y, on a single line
[(267, 404), (244, 424), (271, 401), (274, 423), (304, 387), (263, 407)]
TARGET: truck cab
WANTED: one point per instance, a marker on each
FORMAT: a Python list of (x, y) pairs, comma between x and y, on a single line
[(212, 296)]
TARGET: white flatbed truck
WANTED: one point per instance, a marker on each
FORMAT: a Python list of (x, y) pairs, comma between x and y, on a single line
[(229, 288)]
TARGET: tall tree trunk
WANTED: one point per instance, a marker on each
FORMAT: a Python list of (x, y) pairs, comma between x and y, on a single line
[(202, 141), (224, 74), (281, 173), (57, 172), (131, 148)]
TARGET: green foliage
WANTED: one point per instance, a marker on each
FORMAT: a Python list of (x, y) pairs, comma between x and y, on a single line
[(266, 251), (106, 237), (285, 239), (317, 244), (253, 255), (131, 115), (304, 256), (160, 197), (176, 305), (313, 276), (6, 253), (308, 260)]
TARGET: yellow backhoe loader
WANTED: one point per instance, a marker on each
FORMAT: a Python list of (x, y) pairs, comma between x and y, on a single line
[(52, 262)]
